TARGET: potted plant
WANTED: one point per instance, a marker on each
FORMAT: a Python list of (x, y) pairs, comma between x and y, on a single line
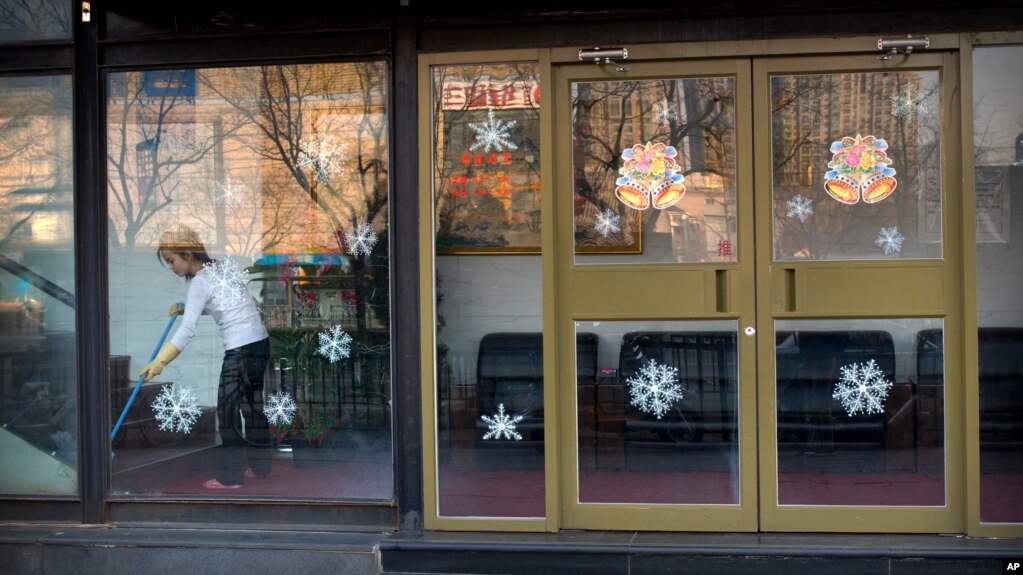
[(306, 435)]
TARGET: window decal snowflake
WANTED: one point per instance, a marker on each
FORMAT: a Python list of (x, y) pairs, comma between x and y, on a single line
[(908, 103), (664, 112), (335, 344), (606, 223), (229, 192), (799, 207), (655, 389), (862, 388), (360, 239), (280, 408), (225, 281), (176, 408), (323, 155), (493, 134), (889, 240), (502, 425)]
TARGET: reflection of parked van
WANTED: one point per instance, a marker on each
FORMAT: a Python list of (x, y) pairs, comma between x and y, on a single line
[(1000, 374), (808, 366), (707, 373), (509, 371)]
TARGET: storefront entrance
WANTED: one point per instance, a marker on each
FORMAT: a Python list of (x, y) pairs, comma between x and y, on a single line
[(740, 274), (753, 283)]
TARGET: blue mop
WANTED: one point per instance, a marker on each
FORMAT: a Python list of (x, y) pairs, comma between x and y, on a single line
[(138, 384)]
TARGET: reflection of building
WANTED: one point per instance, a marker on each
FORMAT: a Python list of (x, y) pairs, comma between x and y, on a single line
[(810, 112), (189, 132), (695, 116)]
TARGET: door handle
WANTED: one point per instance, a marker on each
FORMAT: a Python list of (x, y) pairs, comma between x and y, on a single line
[(785, 296)]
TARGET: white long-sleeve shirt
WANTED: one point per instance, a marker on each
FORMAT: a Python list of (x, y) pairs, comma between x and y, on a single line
[(239, 324)]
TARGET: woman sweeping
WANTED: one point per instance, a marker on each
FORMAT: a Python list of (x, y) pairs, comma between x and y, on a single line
[(247, 351)]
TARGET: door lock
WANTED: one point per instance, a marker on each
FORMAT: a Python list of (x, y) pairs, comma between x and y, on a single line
[(749, 331)]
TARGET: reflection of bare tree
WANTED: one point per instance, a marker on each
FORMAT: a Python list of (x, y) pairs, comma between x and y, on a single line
[(153, 143), (798, 99), (35, 19), (35, 152), (258, 223), (811, 111), (326, 127), (291, 114), (600, 130), (693, 115)]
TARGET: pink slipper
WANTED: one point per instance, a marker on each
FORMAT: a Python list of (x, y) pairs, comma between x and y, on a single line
[(214, 484)]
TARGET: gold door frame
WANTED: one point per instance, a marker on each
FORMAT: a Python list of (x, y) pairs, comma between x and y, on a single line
[(962, 435), (596, 292), (916, 288)]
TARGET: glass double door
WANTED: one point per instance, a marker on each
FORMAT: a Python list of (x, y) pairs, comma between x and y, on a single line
[(756, 288)]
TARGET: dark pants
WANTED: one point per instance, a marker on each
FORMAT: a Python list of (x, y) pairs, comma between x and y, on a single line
[(244, 430)]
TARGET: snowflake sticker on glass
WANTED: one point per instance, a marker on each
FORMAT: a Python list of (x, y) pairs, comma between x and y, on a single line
[(229, 192), (360, 239), (502, 425), (664, 112), (606, 223), (799, 207), (323, 155), (862, 388), (335, 344), (280, 408), (890, 240), (655, 389), (860, 168), (225, 282), (493, 133), (650, 175), (908, 103), (176, 408)]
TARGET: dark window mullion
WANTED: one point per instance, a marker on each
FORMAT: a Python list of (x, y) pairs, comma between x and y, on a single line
[(90, 274)]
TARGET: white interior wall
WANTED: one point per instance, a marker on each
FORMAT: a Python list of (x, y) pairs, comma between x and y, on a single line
[(141, 292), (502, 293), (998, 137)]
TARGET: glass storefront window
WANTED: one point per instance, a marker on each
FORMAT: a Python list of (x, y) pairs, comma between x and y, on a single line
[(34, 20), (258, 197), (38, 383), (654, 165), (860, 412), (487, 268), (658, 412), (998, 155), (857, 166)]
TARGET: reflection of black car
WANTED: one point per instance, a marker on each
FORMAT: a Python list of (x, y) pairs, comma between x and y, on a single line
[(1000, 374), (808, 366), (707, 371), (509, 372)]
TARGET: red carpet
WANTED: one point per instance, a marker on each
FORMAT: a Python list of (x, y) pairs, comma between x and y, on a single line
[(467, 493), (861, 489), (1001, 497), (330, 480), (658, 487)]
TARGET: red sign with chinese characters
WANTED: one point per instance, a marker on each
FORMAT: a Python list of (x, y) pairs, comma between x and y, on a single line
[(459, 95)]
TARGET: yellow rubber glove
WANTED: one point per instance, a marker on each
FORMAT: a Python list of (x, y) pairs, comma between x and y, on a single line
[(176, 308), (166, 355)]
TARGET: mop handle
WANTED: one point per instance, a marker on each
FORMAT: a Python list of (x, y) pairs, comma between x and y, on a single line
[(138, 383)]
